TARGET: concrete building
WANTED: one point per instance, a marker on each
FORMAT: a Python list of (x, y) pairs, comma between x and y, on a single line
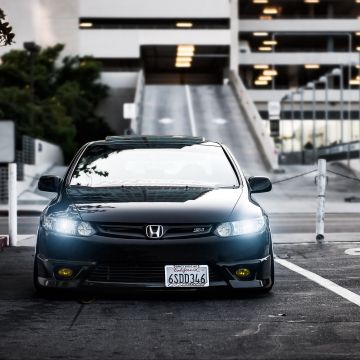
[(277, 46), (303, 42), (129, 35)]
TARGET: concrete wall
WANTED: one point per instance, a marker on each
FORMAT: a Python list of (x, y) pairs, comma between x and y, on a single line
[(127, 43), (333, 95), (155, 8), (63, 19), (122, 90), (298, 58), (300, 25), (47, 154), (119, 79), (46, 22), (354, 165)]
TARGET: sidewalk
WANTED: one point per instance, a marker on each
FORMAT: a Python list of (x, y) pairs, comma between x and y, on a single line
[(299, 195), (282, 205), (24, 209), (30, 199), (310, 238), (26, 240)]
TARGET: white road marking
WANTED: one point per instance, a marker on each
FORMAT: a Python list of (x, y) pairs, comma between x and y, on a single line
[(353, 251), (166, 121), (190, 110), (219, 121), (339, 290)]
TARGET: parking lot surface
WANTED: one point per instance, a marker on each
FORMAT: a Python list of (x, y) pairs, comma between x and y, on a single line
[(300, 319)]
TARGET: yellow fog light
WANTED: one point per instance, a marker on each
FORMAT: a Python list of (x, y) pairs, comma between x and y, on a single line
[(242, 272), (65, 272)]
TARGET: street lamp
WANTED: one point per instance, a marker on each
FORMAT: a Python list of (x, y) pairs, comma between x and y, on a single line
[(352, 82), (339, 72), (358, 83), (312, 86), (324, 80), (359, 102), (291, 96), (301, 92)]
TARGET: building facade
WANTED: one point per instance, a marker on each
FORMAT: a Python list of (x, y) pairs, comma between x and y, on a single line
[(302, 53)]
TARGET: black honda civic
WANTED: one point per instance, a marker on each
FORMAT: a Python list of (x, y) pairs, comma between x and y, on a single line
[(154, 212)]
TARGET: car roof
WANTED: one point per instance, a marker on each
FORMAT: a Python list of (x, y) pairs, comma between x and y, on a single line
[(155, 140)]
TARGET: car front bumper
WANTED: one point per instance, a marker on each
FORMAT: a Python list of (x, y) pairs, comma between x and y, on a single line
[(102, 262)]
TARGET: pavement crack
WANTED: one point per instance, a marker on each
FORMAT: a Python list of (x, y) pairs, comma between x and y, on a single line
[(258, 329), (249, 332), (76, 316)]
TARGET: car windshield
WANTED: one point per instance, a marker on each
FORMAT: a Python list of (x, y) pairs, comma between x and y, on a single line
[(193, 165)]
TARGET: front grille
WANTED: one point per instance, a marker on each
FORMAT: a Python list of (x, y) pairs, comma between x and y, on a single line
[(124, 231), (138, 231), (130, 273)]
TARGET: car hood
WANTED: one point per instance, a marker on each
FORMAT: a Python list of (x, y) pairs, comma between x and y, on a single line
[(158, 205)]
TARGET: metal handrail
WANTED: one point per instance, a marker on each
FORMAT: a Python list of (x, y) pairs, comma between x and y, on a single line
[(255, 122)]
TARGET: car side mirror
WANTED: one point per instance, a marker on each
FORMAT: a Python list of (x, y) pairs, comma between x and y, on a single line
[(259, 184), (49, 183)]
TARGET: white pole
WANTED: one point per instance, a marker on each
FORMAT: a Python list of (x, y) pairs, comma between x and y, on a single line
[(326, 110), (12, 205), (320, 212), (342, 104), (234, 36)]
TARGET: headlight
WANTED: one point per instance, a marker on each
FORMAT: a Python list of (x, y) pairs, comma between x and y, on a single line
[(241, 227), (68, 226)]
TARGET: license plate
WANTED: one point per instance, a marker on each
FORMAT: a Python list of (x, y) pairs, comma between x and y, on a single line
[(186, 276)]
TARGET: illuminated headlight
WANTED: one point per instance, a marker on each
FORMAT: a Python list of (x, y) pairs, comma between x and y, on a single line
[(241, 227), (68, 226)]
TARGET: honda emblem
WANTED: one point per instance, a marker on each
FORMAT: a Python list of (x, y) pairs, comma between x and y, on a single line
[(154, 231)]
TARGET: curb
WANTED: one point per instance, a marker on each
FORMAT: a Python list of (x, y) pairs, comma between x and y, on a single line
[(5, 213), (310, 238)]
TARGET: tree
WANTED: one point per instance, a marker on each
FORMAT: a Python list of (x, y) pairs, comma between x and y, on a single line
[(61, 108), (6, 34)]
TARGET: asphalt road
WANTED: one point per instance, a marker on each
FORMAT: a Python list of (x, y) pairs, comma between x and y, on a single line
[(280, 223), (298, 320), (216, 116)]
